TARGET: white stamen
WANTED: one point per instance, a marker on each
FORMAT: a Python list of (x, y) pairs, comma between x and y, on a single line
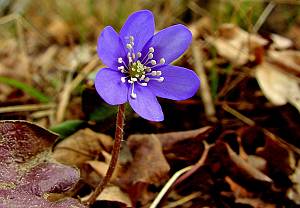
[(133, 55), (161, 79), (142, 77), (150, 56), (133, 95), (120, 60), (162, 61), (147, 79), (131, 38), (121, 67), (137, 75), (148, 69), (143, 84), (139, 54), (129, 59), (153, 62), (158, 73), (153, 73), (133, 79), (151, 49), (123, 79), (130, 82), (129, 46)]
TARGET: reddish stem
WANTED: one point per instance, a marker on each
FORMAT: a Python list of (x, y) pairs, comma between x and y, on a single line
[(114, 156)]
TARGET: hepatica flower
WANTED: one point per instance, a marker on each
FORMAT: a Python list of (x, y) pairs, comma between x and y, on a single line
[(138, 65)]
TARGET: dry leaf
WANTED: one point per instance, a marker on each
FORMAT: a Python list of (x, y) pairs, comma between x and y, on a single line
[(280, 42), (148, 167), (235, 44), (279, 87), (149, 164), (288, 61), (82, 146), (177, 144), (114, 193)]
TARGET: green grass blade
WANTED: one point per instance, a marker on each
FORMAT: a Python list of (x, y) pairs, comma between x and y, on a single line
[(26, 88)]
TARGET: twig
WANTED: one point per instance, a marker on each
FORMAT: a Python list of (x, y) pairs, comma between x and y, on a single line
[(22, 108), (238, 115), (66, 94), (250, 122), (209, 106), (197, 165), (183, 200), (114, 156), (168, 185), (264, 16), (180, 175)]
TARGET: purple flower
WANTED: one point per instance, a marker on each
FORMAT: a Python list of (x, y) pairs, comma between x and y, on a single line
[(138, 65)]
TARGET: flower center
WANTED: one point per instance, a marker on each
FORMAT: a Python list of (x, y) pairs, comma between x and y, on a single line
[(139, 68)]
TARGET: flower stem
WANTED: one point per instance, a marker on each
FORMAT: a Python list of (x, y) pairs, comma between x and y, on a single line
[(114, 156)]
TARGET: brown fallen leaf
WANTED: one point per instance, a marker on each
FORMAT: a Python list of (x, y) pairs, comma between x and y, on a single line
[(176, 144), (235, 44), (149, 164), (280, 42), (287, 61), (112, 194), (148, 167), (239, 170), (278, 86), (84, 145)]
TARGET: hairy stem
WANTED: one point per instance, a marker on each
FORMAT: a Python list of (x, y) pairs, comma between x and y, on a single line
[(114, 156)]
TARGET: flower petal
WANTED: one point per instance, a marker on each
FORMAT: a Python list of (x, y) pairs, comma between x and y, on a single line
[(169, 43), (179, 83), (110, 47), (145, 104), (109, 86), (141, 26)]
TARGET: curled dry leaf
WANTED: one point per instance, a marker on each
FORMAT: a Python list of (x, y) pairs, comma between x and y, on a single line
[(148, 167), (238, 169), (149, 164), (235, 44), (84, 145), (278, 86), (177, 144), (287, 61), (280, 42), (114, 195), (27, 172)]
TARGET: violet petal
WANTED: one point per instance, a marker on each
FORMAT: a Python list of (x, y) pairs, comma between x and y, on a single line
[(110, 47), (169, 43), (109, 86), (145, 104), (179, 83), (141, 26)]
